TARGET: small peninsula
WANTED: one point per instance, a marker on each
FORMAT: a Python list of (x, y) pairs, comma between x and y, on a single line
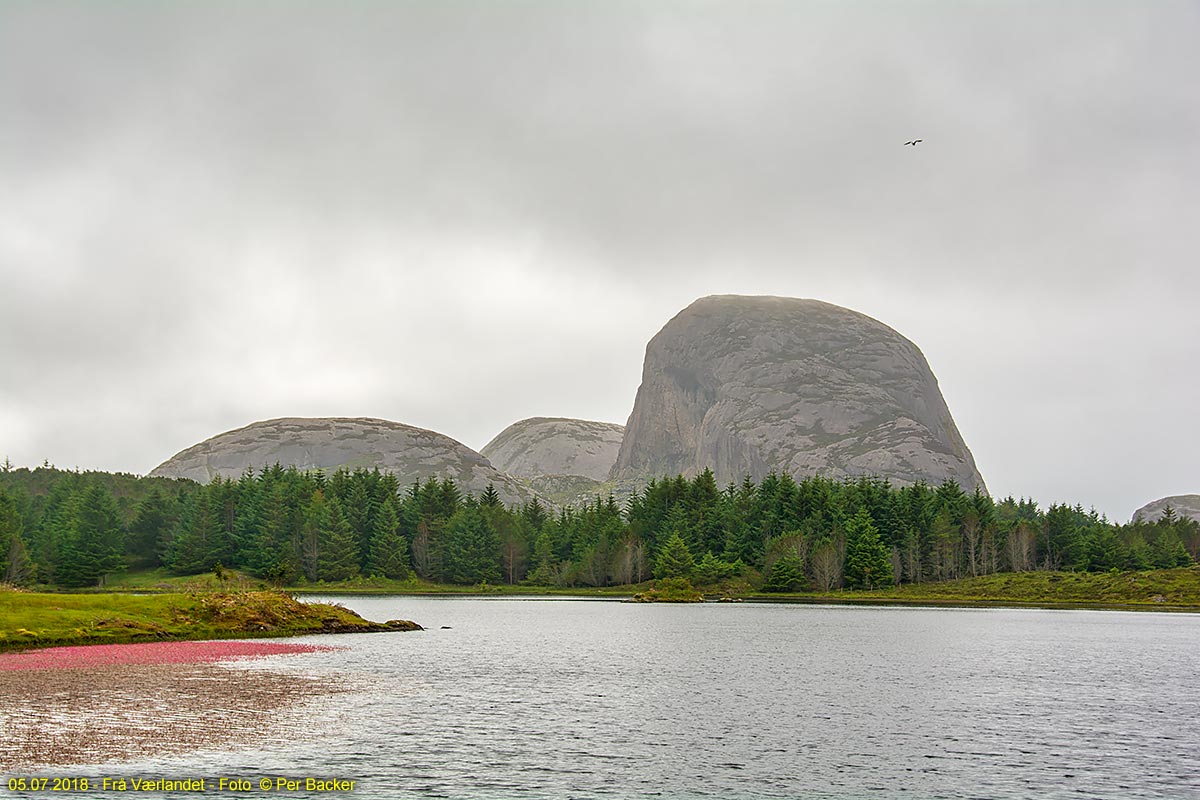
[(30, 620)]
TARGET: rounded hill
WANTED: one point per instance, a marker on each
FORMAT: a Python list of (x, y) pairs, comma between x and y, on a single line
[(753, 385), (556, 446), (1182, 505), (328, 443)]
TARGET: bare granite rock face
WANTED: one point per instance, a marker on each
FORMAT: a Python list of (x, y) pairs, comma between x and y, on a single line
[(556, 446), (328, 443), (751, 385), (1184, 505)]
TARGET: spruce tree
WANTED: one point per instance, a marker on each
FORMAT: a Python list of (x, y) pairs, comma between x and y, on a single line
[(359, 510), (1138, 555), (675, 523), (223, 503), (270, 551), (388, 556), (53, 532), (15, 566), (194, 547), (18, 569), (535, 514), (544, 572), (472, 554), (1168, 550), (150, 530), (316, 519), (787, 574), (704, 513), (868, 562), (95, 544), (712, 569), (337, 558), (739, 543), (10, 526), (490, 497), (675, 560)]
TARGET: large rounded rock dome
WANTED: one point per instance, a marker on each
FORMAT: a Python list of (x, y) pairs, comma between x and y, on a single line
[(327, 443), (753, 385), (1182, 505), (556, 446)]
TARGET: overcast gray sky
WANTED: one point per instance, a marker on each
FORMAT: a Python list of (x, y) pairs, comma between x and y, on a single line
[(457, 215)]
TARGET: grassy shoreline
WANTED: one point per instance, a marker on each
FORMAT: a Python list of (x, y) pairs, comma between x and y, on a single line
[(152, 606), (1176, 588), (33, 620), (1162, 590)]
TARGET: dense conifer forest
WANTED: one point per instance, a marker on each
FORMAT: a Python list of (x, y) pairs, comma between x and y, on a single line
[(70, 529)]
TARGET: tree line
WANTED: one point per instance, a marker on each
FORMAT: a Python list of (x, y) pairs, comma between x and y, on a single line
[(285, 526)]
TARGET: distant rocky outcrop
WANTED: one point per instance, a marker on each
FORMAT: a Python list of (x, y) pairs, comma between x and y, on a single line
[(563, 460), (328, 443), (1184, 505), (751, 385), (556, 446)]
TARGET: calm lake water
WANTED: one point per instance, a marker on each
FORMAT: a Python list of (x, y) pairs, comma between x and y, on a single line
[(591, 699)]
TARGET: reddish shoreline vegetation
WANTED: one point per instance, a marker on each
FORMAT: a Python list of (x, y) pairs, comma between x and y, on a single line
[(148, 653), (135, 681), (92, 704), (139, 681)]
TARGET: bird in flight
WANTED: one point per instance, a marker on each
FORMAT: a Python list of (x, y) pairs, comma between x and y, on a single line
[(915, 142)]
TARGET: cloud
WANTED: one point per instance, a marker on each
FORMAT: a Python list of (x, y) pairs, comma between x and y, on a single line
[(457, 215)]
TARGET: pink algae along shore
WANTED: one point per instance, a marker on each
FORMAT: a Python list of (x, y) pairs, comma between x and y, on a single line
[(103, 703), (147, 653)]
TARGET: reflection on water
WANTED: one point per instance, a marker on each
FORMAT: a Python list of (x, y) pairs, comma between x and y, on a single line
[(570, 698)]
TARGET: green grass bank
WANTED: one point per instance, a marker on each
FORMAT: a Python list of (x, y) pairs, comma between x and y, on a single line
[(1164, 589), (30, 619), (203, 607)]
